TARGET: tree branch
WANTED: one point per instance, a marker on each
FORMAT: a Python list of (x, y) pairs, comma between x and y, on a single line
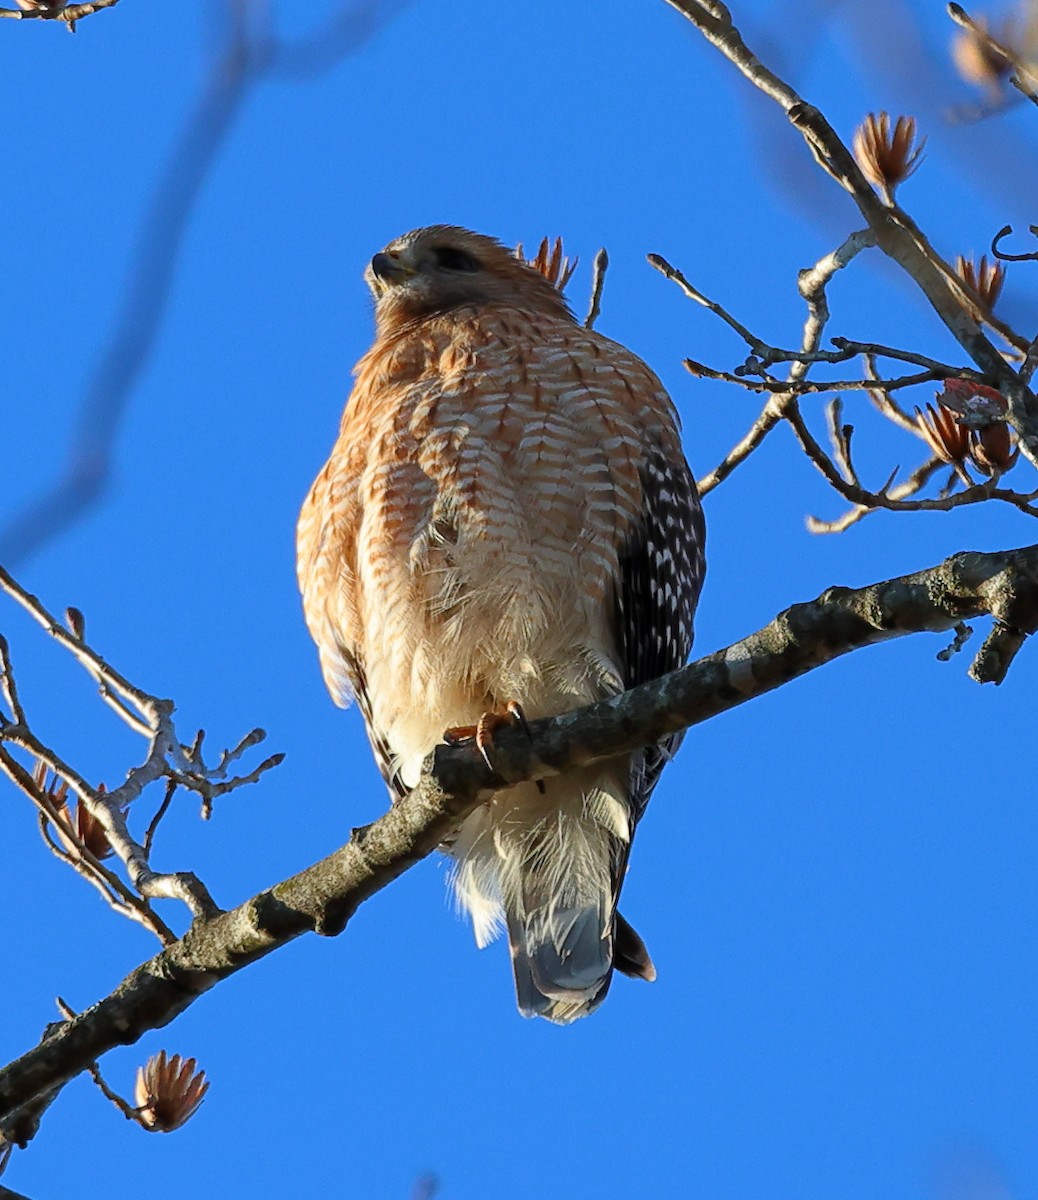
[(55, 10), (322, 898), (895, 232)]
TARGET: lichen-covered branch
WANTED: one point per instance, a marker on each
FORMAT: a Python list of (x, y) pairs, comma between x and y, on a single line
[(322, 898)]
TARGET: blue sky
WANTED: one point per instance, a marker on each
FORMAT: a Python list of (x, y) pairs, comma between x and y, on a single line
[(836, 881)]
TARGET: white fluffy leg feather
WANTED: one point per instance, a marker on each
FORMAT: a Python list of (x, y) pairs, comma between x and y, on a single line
[(542, 865)]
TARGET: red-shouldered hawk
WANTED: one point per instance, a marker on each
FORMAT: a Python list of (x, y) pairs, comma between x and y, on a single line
[(506, 519)]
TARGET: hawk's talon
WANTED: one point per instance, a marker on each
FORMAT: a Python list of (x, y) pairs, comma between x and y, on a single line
[(515, 711), (482, 733)]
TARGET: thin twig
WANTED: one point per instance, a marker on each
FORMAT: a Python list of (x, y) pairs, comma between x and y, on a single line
[(847, 348), (812, 283), (109, 886), (1027, 367), (209, 791), (165, 759), (770, 416), (127, 1109), (598, 274), (160, 812), (1004, 255), (884, 499), (897, 235), (252, 738), (808, 386), (75, 863), (693, 293), (908, 487), (840, 436), (884, 400), (8, 687), (92, 662)]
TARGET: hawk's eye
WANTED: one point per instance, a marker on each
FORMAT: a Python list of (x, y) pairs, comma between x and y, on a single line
[(454, 260)]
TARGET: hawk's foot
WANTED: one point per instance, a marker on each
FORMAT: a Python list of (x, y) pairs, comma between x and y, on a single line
[(482, 733)]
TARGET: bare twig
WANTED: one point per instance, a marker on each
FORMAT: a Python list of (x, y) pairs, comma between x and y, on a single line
[(128, 1111), (840, 435), (1027, 367), (770, 415), (908, 487), (812, 284), (109, 810), (753, 376), (598, 274), (81, 652), (846, 349), (252, 738), (885, 498), (83, 861), (160, 812), (1004, 255), (884, 400), (803, 387), (693, 293), (8, 687), (839, 470), (209, 791), (107, 884)]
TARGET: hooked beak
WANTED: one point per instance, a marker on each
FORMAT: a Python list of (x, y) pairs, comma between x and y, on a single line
[(387, 268)]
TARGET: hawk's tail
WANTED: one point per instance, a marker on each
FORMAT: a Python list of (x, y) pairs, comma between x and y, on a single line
[(565, 983), (562, 960), (549, 867)]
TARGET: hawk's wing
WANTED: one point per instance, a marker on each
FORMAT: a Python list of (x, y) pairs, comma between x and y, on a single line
[(325, 544), (661, 574)]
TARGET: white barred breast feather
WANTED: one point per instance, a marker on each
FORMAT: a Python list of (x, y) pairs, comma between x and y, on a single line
[(507, 518)]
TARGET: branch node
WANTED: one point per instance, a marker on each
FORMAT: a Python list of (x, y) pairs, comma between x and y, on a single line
[(996, 655), (963, 633)]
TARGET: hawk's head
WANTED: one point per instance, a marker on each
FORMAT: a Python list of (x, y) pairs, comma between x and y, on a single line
[(443, 267)]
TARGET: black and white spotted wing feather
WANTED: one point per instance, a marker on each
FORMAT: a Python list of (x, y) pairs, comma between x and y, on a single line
[(661, 575)]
